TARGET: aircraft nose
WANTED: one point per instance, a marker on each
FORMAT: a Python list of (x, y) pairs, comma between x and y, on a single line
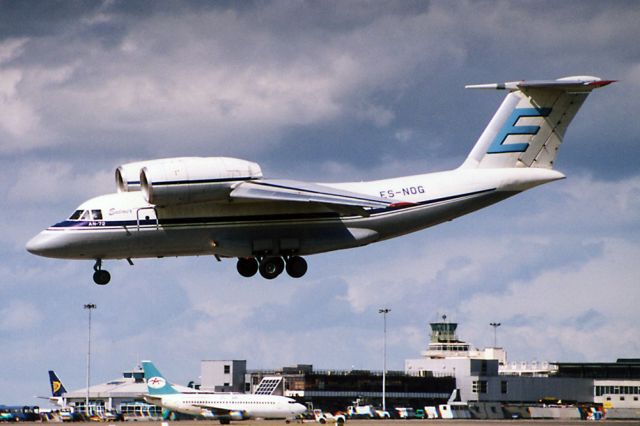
[(43, 244)]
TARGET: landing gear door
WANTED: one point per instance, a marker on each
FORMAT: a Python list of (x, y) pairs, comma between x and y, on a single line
[(147, 216)]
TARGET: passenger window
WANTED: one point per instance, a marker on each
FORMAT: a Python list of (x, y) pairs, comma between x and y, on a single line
[(97, 214), (75, 215), (85, 215)]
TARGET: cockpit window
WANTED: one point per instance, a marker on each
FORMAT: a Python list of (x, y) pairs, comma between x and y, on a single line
[(76, 215), (85, 215), (96, 214)]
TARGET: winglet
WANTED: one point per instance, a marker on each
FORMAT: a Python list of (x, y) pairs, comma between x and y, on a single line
[(401, 204)]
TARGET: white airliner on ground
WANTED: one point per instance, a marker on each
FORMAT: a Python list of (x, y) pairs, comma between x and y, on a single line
[(224, 207), (221, 406)]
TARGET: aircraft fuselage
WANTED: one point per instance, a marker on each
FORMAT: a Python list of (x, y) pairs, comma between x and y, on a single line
[(129, 227)]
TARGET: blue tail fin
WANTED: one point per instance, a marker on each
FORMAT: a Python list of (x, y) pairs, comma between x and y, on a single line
[(156, 383), (57, 388)]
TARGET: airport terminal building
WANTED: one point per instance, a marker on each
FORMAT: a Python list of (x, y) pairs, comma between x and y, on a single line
[(481, 379), (333, 390), (485, 376)]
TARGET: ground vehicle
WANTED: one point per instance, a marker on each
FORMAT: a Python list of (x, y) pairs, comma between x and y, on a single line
[(323, 418), (19, 413), (406, 412), (360, 410)]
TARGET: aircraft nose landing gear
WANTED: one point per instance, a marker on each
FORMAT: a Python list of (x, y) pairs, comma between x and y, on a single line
[(100, 276)]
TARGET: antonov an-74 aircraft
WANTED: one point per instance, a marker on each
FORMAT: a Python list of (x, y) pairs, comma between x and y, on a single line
[(222, 406), (225, 207)]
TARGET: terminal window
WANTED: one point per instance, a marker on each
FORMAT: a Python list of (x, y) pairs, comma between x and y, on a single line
[(479, 386), (267, 386), (227, 369)]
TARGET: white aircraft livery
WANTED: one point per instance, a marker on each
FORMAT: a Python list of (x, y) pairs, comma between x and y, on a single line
[(221, 406), (224, 207)]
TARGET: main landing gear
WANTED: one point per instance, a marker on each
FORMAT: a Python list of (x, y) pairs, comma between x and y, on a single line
[(272, 266), (100, 276)]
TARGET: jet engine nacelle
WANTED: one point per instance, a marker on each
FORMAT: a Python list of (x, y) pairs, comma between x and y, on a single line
[(185, 180)]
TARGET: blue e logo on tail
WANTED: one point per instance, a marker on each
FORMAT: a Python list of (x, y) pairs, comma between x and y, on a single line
[(510, 128)]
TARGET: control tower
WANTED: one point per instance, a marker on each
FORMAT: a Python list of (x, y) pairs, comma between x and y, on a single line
[(444, 343)]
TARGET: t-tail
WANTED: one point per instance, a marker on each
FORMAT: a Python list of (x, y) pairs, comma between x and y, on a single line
[(57, 388), (529, 126), (156, 383)]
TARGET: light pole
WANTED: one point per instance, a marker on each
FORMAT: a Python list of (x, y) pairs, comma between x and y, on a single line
[(384, 312), (89, 307), (495, 326)]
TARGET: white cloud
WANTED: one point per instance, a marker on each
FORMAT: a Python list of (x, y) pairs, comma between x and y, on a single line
[(18, 117), (18, 315), (11, 48), (585, 311), (46, 182)]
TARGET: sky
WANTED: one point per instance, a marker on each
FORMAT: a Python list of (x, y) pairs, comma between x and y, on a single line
[(320, 91)]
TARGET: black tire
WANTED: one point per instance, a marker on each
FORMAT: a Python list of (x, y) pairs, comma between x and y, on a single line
[(247, 266), (296, 267), (101, 277), (271, 267)]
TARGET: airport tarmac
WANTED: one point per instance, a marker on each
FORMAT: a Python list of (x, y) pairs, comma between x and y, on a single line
[(377, 423)]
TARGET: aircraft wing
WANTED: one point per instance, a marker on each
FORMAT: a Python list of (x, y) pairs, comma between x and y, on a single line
[(304, 192), (220, 411), (154, 400)]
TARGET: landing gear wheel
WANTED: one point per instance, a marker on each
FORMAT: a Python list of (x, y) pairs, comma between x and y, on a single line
[(296, 266), (247, 266), (271, 267), (101, 277)]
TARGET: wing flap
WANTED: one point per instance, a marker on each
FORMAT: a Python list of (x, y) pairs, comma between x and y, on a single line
[(214, 410), (303, 192)]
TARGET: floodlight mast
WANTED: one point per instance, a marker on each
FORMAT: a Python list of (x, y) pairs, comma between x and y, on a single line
[(384, 312), (495, 326), (89, 307)]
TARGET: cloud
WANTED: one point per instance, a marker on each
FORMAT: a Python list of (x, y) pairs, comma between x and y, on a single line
[(572, 313), (326, 92), (11, 48), (19, 315), (45, 182)]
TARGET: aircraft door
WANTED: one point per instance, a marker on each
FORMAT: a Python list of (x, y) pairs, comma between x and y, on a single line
[(147, 216)]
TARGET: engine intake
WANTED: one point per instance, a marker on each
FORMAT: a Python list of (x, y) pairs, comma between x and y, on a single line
[(185, 180)]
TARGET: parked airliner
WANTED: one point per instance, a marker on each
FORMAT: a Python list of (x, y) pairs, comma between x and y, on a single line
[(225, 207), (221, 406)]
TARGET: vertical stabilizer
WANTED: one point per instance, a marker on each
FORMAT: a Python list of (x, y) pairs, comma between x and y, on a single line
[(529, 126), (156, 383), (57, 388)]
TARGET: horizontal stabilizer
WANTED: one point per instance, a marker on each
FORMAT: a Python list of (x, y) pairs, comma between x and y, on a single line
[(577, 83), (295, 191)]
